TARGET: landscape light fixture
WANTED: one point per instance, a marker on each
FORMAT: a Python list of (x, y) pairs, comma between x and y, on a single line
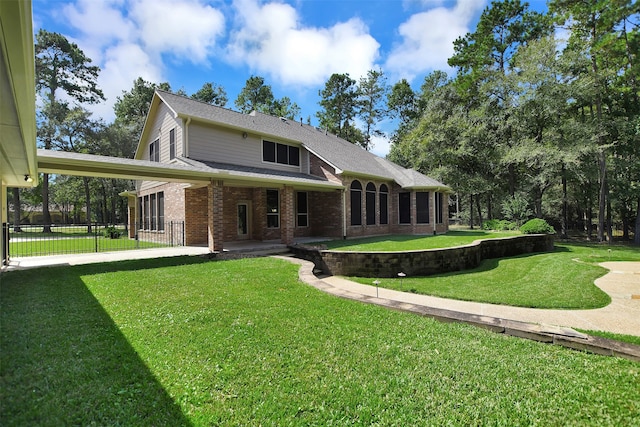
[(376, 282), (401, 275)]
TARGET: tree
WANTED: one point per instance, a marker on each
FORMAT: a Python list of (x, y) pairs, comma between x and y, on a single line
[(603, 33), (372, 93), (62, 65), (211, 93), (132, 107), (258, 96), (339, 100), (255, 96)]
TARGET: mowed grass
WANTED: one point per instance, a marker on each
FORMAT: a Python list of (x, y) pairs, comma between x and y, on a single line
[(401, 242), (75, 245), (563, 278), (186, 342)]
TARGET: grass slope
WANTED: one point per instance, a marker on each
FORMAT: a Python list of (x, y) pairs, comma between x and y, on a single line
[(187, 342), (560, 279), (401, 242)]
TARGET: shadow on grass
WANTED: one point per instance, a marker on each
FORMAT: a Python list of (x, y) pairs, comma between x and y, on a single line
[(64, 361)]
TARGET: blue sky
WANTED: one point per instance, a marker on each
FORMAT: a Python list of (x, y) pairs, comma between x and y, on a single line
[(294, 44)]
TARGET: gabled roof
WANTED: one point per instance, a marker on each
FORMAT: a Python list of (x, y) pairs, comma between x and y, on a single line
[(345, 157)]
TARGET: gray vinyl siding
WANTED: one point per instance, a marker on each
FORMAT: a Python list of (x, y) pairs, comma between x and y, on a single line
[(160, 128), (217, 144)]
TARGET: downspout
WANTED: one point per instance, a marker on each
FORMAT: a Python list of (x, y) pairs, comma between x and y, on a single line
[(185, 138)]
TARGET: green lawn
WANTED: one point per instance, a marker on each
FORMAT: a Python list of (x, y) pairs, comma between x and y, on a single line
[(57, 246), (186, 342), (560, 279), (400, 242)]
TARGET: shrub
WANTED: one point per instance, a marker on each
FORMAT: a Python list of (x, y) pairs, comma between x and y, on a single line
[(516, 209), (537, 226), (111, 232), (499, 225)]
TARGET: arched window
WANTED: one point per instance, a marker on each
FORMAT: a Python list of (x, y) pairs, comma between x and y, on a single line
[(356, 203), (384, 204), (371, 203)]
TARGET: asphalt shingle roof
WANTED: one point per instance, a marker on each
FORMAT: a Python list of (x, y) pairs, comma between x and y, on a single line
[(348, 158)]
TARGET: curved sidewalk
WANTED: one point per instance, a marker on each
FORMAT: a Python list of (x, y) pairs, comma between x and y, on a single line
[(622, 316)]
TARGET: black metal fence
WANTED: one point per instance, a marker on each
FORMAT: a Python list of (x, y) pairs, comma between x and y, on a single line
[(38, 240)]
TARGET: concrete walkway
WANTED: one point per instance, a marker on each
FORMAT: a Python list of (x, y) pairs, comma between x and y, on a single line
[(622, 316)]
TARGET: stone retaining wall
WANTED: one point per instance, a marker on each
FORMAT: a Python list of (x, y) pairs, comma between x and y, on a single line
[(422, 262)]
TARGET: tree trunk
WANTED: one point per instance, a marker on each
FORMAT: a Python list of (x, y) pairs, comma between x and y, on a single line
[(609, 221), (589, 219), (471, 211), (563, 233), (479, 212), (16, 210), (46, 215), (87, 200), (602, 196), (636, 233)]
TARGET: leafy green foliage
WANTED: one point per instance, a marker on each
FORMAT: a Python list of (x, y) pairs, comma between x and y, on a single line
[(537, 226), (499, 225), (516, 209)]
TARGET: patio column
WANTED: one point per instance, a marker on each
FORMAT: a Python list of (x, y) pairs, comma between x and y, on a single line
[(215, 216), (287, 220)]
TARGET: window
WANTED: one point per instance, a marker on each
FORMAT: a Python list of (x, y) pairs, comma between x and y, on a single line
[(356, 203), (172, 144), (269, 151), (404, 208), (161, 211), (273, 209), (154, 151), (154, 212), (384, 204), (439, 208), (302, 209), (280, 153), (422, 207), (283, 154), (145, 223), (371, 203), (151, 215)]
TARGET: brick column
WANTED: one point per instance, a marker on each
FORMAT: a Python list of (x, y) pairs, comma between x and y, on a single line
[(215, 216), (287, 216)]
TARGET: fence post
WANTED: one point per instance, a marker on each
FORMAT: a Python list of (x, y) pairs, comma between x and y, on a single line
[(183, 237), (95, 233)]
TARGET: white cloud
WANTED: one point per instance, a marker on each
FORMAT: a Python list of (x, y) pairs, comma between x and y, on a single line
[(427, 38), (127, 39), (271, 39), (184, 28)]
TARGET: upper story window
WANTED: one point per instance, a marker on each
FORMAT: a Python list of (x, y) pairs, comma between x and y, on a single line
[(172, 144), (154, 151), (284, 154)]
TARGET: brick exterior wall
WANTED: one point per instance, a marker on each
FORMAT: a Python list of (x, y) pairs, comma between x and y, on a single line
[(195, 213), (210, 213)]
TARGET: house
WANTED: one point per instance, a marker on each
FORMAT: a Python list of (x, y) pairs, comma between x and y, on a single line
[(271, 178)]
